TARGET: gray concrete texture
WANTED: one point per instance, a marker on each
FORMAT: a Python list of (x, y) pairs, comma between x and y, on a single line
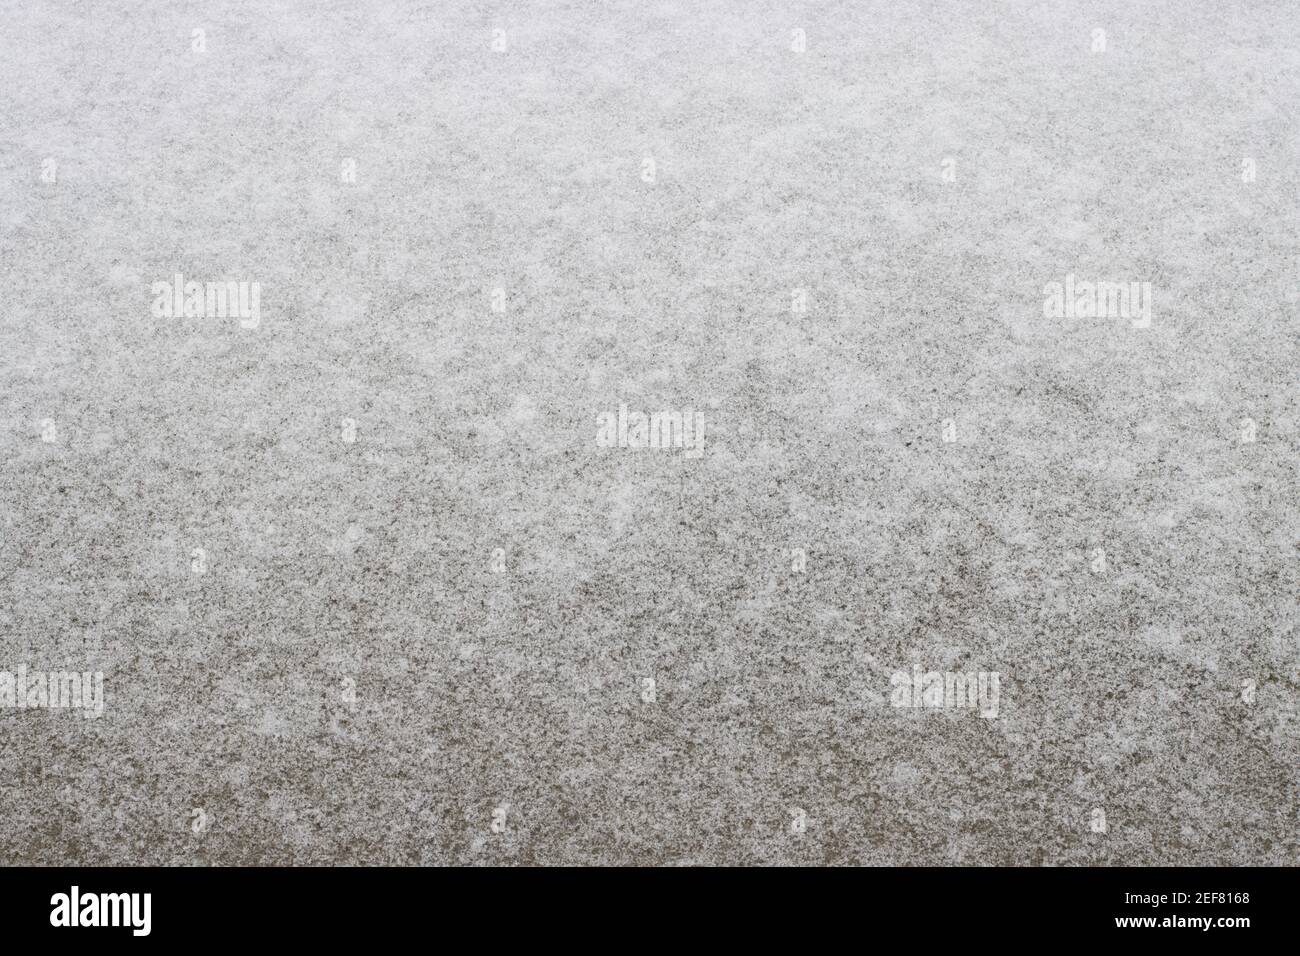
[(363, 585)]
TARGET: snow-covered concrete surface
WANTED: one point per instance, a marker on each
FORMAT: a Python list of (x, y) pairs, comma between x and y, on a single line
[(361, 576)]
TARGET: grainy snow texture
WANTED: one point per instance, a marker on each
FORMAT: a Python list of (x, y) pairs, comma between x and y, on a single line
[(365, 588)]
